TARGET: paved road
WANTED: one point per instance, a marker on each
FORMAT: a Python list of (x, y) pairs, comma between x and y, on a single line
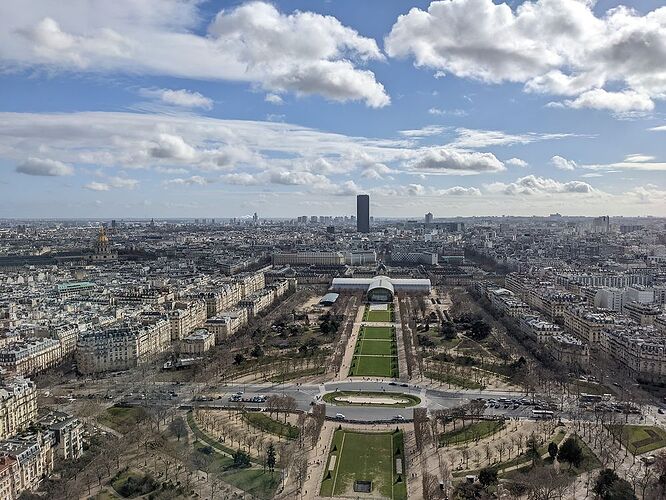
[(308, 394)]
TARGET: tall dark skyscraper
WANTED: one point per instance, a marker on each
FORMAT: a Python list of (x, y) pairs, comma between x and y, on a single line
[(363, 213)]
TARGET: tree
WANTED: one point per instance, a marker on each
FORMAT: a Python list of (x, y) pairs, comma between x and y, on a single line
[(238, 358), (488, 476), (178, 427), (571, 452), (533, 449), (270, 457), (609, 486), (241, 459), (552, 450), (202, 459)]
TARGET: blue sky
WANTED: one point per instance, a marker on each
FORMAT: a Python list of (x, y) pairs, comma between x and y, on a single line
[(166, 108)]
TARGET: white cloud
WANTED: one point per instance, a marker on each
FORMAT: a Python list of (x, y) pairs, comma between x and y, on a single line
[(183, 98), (274, 99), (618, 102), (97, 186), (472, 138), (113, 182), (302, 52), (533, 185), (172, 147), (44, 167), (452, 161), (426, 131), (552, 46), (638, 158), (241, 179), (647, 194), (417, 190), (195, 180), (447, 112), (517, 162), (562, 163)]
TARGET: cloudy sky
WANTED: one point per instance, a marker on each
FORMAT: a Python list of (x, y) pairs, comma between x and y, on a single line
[(192, 108)]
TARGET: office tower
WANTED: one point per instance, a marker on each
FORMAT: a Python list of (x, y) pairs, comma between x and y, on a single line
[(428, 218), (363, 213)]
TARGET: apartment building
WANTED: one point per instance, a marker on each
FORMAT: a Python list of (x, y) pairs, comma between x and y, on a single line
[(642, 349), (506, 302), (31, 355), (643, 314), (18, 405), (538, 328), (586, 322), (67, 434), (197, 343), (226, 323), (186, 317), (121, 347), (34, 456), (309, 259), (569, 350)]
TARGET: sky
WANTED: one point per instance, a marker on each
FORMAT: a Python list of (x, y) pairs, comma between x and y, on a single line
[(192, 108)]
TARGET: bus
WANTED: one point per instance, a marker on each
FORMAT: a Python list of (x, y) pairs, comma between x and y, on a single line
[(544, 414)]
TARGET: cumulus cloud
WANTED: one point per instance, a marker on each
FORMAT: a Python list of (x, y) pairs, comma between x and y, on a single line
[(619, 102), (533, 185), (416, 190), (182, 98), (649, 193), (44, 167), (516, 162), (562, 163), (552, 46), (450, 161), (301, 52), (172, 147)]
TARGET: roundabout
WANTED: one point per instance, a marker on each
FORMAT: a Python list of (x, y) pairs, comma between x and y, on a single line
[(370, 398)]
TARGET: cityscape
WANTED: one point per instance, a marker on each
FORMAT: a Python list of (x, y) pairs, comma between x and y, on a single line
[(313, 250)]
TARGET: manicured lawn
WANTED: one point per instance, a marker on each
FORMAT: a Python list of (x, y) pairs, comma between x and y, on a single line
[(366, 457), (333, 397), (122, 420), (376, 332), (640, 439), (375, 353), (267, 424), (376, 347), (471, 432), (374, 366), (378, 316)]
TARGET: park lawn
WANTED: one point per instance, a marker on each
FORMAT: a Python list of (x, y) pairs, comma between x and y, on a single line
[(118, 482), (639, 439), (256, 482), (374, 366), (377, 333), (267, 424), (451, 379), (379, 316), (471, 432), (208, 440), (122, 420), (366, 457), (309, 372), (376, 347), (589, 462)]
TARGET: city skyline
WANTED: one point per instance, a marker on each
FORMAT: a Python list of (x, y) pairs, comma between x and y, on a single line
[(184, 110)]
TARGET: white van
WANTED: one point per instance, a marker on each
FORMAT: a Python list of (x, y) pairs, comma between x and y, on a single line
[(339, 416)]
